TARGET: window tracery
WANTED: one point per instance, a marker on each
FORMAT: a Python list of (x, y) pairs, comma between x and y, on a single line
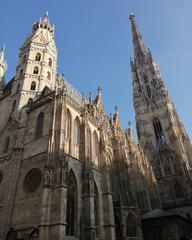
[(95, 149), (33, 85), (158, 130), (72, 201), (131, 225), (40, 125), (67, 132), (36, 70), (76, 137), (50, 62), (38, 57)]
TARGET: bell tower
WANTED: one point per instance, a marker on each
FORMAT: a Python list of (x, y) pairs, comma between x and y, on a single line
[(3, 69), (160, 130), (37, 63)]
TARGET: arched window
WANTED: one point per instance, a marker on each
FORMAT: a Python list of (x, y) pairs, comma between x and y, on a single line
[(24, 58), (38, 57), (178, 189), (36, 70), (68, 132), (118, 227), (76, 137), (131, 225), (6, 144), (95, 149), (13, 106), (48, 75), (33, 85), (72, 203), (148, 89), (158, 130), (18, 88), (96, 210), (50, 62), (21, 73), (39, 125)]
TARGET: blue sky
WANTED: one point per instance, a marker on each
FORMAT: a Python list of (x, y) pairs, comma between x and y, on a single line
[(95, 44)]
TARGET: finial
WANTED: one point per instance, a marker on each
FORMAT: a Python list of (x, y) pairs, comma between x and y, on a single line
[(99, 89), (116, 109), (90, 97), (131, 16), (129, 124), (45, 18)]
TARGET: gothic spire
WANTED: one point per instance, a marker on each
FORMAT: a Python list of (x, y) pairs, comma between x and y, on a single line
[(139, 46), (3, 69), (2, 53)]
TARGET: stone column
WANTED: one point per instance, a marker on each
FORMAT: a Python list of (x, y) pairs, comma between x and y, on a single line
[(108, 211), (88, 206)]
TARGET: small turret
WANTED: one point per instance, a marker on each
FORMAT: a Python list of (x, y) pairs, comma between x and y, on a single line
[(44, 23), (3, 69)]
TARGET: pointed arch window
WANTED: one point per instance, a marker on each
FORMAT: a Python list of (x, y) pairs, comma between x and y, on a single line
[(36, 70), (50, 62), (178, 189), (76, 137), (21, 73), (33, 85), (13, 106), (48, 75), (6, 144), (131, 225), (158, 130), (148, 89), (118, 227), (18, 88), (72, 203), (96, 210), (38, 57), (24, 58), (95, 149), (39, 125), (67, 132)]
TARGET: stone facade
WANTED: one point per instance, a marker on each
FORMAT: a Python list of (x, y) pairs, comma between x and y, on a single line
[(67, 169)]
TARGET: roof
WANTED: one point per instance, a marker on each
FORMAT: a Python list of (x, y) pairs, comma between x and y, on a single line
[(157, 213)]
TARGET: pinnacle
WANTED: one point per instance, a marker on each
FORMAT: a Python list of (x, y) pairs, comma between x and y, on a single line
[(131, 16)]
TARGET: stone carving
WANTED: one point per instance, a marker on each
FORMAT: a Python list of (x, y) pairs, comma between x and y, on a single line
[(49, 176), (64, 171)]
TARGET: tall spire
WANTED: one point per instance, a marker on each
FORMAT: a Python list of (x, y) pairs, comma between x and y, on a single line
[(139, 46), (3, 69), (2, 53)]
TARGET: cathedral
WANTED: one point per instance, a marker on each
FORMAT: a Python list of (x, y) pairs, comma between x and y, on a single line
[(69, 171)]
